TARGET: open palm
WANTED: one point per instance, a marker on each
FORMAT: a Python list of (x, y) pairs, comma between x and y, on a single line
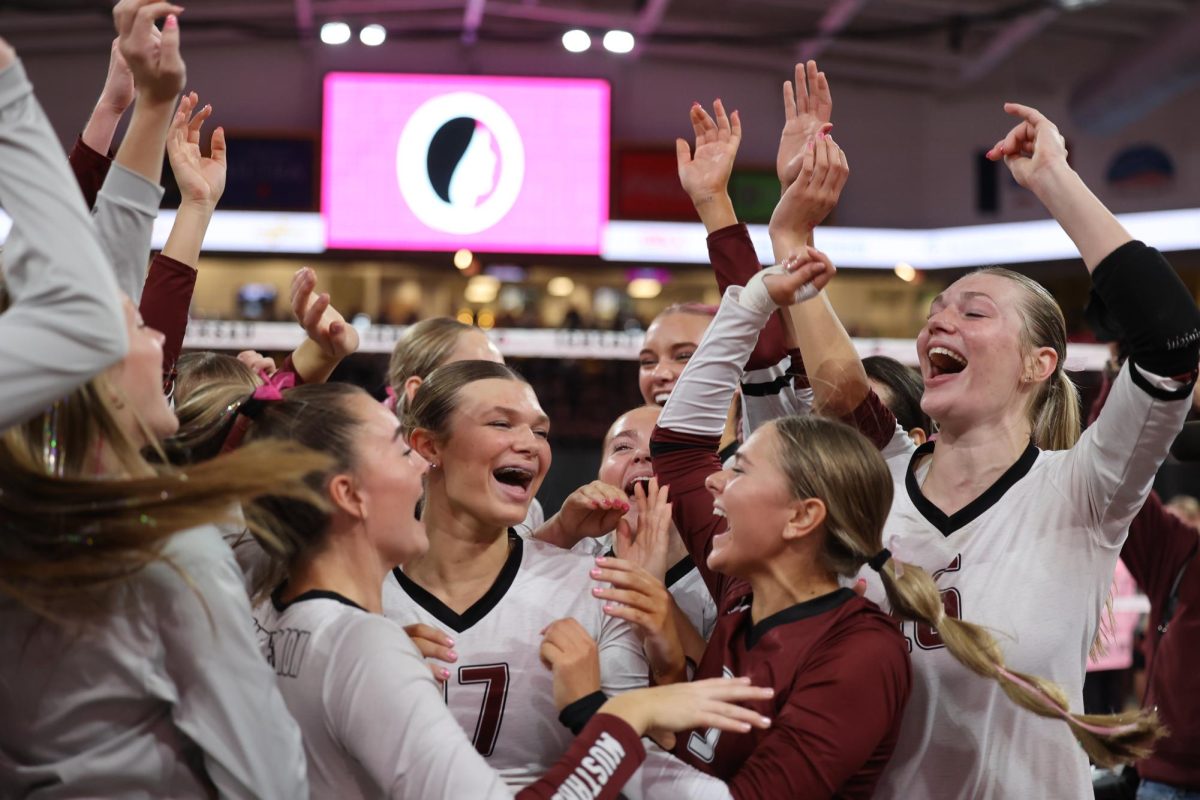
[(201, 179), (807, 109), (705, 172)]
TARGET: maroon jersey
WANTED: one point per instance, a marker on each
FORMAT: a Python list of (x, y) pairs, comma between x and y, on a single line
[(838, 664)]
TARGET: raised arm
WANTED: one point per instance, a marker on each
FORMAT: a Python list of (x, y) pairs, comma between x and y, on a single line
[(201, 180), (90, 157), (64, 323), (128, 202), (684, 443), (330, 337)]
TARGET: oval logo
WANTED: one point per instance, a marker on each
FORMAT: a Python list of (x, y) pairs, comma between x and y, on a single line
[(460, 163)]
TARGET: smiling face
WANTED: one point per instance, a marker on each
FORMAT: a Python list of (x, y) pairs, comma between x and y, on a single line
[(388, 476), (670, 341), (138, 381), (974, 360), (754, 497), (626, 456), (496, 452)]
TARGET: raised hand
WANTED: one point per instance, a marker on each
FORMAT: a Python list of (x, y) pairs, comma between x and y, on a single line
[(1031, 148), (152, 55), (807, 109), (641, 599), (648, 547), (262, 365), (705, 173), (323, 323), (434, 644), (117, 93), (201, 180), (660, 710), (592, 510), (570, 653), (809, 199), (809, 267)]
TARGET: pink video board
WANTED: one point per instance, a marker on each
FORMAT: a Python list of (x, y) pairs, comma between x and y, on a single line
[(439, 162)]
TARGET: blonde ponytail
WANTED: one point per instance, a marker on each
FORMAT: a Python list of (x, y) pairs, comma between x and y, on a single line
[(1056, 422), (1108, 739)]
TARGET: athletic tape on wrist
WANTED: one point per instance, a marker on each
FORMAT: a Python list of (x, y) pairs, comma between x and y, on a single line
[(756, 297)]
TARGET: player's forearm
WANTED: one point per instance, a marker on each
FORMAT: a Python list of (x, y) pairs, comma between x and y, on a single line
[(102, 126), (186, 239), (716, 211), (312, 364), (554, 532), (831, 361), (146, 140), (1091, 226)]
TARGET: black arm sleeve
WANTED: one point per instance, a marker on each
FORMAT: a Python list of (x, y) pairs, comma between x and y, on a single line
[(1139, 297)]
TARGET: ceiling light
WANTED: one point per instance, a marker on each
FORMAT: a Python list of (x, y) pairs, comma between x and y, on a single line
[(618, 41), (463, 258), (905, 272), (576, 41), (373, 35), (486, 320), (335, 33), (560, 286), (644, 288)]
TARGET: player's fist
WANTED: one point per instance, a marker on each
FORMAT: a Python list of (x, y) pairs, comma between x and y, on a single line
[(570, 652)]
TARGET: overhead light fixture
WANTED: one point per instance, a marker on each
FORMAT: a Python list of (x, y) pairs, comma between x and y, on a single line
[(906, 272), (463, 258), (1076, 5), (644, 288), (576, 40), (561, 286), (486, 320), (373, 35), (618, 41), (335, 33)]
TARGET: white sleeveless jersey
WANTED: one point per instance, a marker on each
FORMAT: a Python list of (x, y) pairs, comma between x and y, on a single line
[(499, 690), (1031, 560)]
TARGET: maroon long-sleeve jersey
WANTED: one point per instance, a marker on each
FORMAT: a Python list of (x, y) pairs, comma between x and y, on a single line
[(838, 664)]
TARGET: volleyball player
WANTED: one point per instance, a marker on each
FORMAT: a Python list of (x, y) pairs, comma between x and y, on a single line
[(427, 345), (375, 723), (129, 669), (1009, 529), (485, 435)]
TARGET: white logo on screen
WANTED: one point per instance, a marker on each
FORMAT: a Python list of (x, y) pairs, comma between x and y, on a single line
[(460, 163)]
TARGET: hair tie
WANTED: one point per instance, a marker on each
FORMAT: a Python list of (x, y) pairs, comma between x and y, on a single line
[(250, 409), (390, 402), (879, 559)]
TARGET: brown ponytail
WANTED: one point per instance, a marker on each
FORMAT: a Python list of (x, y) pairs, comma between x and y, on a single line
[(1109, 739)]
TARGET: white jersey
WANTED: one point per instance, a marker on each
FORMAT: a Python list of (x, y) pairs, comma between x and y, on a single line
[(168, 696), (690, 593), (499, 691), (374, 721), (1031, 560)]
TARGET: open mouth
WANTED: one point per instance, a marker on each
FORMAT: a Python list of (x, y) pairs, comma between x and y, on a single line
[(519, 478), (944, 361), (661, 398), (644, 480)]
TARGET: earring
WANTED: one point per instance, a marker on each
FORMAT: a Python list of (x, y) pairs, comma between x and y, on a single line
[(433, 465)]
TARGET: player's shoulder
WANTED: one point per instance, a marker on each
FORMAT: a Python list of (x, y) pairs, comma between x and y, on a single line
[(875, 633), (544, 559)]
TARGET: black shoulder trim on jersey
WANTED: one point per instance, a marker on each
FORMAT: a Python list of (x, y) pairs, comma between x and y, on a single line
[(577, 715), (767, 388), (1166, 395), (729, 452), (949, 523), (311, 594), (809, 608), (460, 622), (677, 572)]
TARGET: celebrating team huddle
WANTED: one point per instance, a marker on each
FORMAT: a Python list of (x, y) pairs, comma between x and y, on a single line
[(275, 585)]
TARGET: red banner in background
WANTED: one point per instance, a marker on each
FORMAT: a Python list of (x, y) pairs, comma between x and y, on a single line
[(646, 186)]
